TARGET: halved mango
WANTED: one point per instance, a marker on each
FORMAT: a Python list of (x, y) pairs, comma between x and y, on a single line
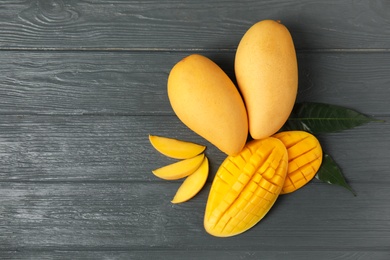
[(193, 183), (174, 148), (245, 187), (304, 158), (179, 169)]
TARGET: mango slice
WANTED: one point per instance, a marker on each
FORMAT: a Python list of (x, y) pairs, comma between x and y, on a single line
[(179, 169), (245, 187), (174, 148), (304, 158), (193, 183)]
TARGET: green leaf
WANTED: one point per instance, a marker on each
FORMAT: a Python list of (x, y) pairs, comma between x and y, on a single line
[(330, 172), (318, 118)]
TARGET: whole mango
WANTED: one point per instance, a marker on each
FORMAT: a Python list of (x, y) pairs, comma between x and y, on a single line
[(206, 100), (267, 76)]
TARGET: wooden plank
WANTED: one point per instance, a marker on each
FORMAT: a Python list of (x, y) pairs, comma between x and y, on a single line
[(86, 148), (139, 217), (82, 84), (134, 83), (195, 255), (172, 24), (117, 149)]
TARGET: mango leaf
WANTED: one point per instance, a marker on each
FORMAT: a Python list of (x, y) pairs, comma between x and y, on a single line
[(318, 118), (330, 172)]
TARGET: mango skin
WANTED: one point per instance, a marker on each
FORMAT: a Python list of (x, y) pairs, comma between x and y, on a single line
[(267, 75), (206, 100)]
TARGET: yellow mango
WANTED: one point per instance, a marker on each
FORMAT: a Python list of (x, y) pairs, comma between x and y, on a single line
[(245, 187), (174, 148), (304, 158), (193, 183), (179, 169), (206, 100), (267, 76)]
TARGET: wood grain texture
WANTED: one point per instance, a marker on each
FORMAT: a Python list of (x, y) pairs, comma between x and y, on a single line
[(127, 217), (196, 254), (83, 83), (117, 149), (134, 83), (172, 24)]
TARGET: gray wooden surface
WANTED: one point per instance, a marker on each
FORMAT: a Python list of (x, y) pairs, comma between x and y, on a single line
[(83, 83)]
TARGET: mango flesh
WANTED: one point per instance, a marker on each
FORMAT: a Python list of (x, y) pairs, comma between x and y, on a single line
[(206, 100), (193, 183), (304, 158), (179, 169), (245, 187), (174, 148), (267, 76)]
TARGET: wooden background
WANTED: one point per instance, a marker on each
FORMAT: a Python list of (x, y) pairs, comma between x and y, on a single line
[(83, 83)]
